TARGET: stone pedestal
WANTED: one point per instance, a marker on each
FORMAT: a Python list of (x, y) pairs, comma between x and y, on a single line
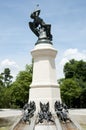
[(45, 127), (44, 87)]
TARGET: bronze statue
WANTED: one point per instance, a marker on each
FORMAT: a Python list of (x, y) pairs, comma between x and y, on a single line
[(44, 113), (61, 111), (29, 110), (38, 24)]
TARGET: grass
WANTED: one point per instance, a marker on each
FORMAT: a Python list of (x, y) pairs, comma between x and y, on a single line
[(4, 128), (83, 127)]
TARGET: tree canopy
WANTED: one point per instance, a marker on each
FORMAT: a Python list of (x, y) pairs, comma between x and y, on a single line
[(73, 86), (15, 94)]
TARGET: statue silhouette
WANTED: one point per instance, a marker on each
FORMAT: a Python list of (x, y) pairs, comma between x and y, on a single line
[(38, 24)]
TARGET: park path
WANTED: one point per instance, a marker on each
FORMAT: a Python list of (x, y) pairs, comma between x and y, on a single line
[(59, 125), (68, 126), (9, 113), (64, 126), (25, 126)]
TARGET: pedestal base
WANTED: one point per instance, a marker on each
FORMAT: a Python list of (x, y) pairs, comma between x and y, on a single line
[(45, 127), (44, 95), (44, 86)]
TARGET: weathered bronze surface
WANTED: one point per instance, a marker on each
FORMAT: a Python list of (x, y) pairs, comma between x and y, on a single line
[(38, 24)]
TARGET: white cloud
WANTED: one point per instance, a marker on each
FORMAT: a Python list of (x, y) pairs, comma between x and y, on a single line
[(68, 55), (12, 65), (73, 54), (70, 52), (63, 61), (9, 63)]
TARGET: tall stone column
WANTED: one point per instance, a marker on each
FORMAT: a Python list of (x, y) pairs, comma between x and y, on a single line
[(44, 86)]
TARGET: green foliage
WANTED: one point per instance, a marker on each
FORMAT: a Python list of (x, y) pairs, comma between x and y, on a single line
[(6, 77), (1, 80), (83, 98), (6, 97), (70, 91), (75, 69), (16, 94), (20, 92), (19, 95), (73, 86), (81, 70)]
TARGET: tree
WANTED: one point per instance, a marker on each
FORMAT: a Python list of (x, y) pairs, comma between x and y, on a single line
[(73, 86), (81, 70), (75, 69), (16, 94), (5, 82), (70, 91), (6, 97), (1, 80), (83, 98), (70, 69), (20, 88), (6, 77)]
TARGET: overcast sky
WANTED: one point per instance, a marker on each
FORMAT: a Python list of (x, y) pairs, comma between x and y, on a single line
[(68, 20)]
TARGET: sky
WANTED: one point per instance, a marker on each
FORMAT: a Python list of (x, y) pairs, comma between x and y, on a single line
[(68, 27)]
